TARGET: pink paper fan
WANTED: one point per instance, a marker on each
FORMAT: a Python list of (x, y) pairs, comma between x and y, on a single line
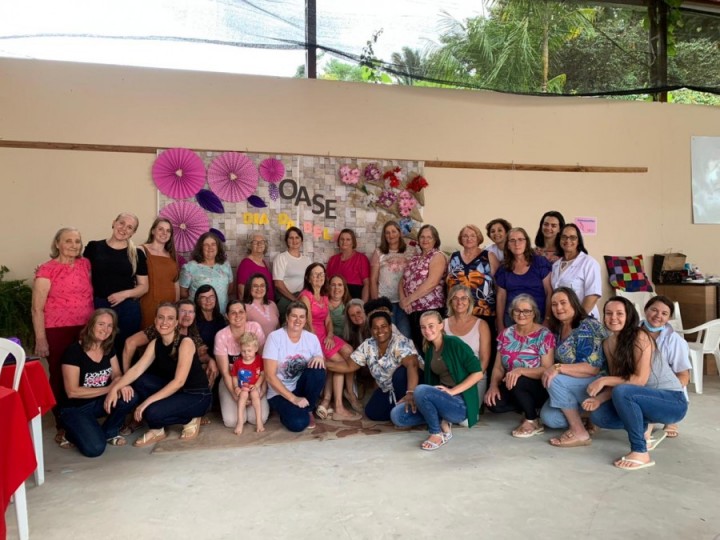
[(188, 221), (233, 176), (272, 170), (178, 173)]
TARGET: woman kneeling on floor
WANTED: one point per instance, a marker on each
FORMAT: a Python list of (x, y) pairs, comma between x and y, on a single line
[(641, 388), (170, 381), (88, 367), (449, 394), (525, 351), (294, 369), (579, 360)]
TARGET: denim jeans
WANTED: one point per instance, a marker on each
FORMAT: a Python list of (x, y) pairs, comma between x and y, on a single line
[(433, 406), (379, 406), (401, 320), (179, 408), (129, 318), (83, 430), (565, 393), (633, 407), (309, 385)]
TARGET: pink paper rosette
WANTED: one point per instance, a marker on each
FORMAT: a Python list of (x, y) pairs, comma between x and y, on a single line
[(178, 173), (272, 170), (233, 176), (188, 221)]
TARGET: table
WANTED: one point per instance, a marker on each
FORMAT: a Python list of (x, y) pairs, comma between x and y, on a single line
[(17, 458), (37, 399)]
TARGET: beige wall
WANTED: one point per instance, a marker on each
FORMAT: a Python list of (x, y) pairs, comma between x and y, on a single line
[(62, 102)]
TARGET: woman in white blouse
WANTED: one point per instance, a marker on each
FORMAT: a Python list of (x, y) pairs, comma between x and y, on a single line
[(577, 270)]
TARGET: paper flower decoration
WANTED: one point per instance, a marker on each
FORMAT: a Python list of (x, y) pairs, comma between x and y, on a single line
[(256, 201), (394, 177), (233, 176), (387, 198), (188, 221), (272, 170), (406, 203), (274, 192), (372, 173), (178, 173), (415, 186), (209, 201), (349, 175)]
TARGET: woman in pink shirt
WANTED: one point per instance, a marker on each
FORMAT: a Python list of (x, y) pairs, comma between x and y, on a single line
[(352, 265), (62, 303)]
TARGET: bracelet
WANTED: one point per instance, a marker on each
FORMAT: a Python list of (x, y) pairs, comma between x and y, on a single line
[(557, 367), (410, 392)]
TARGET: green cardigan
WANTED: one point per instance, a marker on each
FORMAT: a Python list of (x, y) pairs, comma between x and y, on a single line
[(461, 362)]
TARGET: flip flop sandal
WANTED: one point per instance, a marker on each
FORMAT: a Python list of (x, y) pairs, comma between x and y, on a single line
[(191, 430), (204, 421), (151, 436), (117, 440), (64, 443), (637, 464), (671, 433), (322, 412), (521, 433), (653, 442), (430, 446), (568, 440)]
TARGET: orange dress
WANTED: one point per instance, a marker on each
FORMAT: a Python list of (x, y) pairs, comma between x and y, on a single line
[(162, 275)]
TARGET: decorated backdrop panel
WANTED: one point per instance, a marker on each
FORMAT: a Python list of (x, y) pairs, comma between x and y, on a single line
[(241, 194)]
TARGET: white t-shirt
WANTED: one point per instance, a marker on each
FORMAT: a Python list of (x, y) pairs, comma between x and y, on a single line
[(291, 270), (292, 358), (582, 275)]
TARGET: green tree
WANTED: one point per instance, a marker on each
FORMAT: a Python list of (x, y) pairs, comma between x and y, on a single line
[(410, 62), (335, 70)]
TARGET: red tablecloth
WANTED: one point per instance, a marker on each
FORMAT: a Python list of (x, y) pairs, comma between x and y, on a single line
[(34, 388), (17, 457)]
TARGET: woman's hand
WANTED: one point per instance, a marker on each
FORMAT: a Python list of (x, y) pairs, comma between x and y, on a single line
[(491, 396), (140, 410), (590, 404), (211, 370), (444, 389), (317, 362), (595, 387), (42, 349), (127, 393), (511, 377), (329, 341), (301, 402), (406, 305), (117, 298), (111, 401), (548, 375), (236, 393), (409, 401)]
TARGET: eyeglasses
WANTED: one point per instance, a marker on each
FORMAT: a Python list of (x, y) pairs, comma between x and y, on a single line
[(571, 238), (467, 236), (258, 242), (522, 312), (461, 298), (317, 274), (187, 312)]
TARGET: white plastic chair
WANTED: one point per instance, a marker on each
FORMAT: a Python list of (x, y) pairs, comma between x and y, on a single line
[(676, 320), (7, 348), (639, 299), (706, 342)]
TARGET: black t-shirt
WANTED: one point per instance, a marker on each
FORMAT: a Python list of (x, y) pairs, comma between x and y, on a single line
[(164, 366), (111, 268), (92, 374), (208, 330)]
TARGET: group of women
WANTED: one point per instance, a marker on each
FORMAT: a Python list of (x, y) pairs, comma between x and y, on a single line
[(508, 327)]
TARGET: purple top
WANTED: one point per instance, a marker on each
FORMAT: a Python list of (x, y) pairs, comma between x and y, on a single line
[(530, 282)]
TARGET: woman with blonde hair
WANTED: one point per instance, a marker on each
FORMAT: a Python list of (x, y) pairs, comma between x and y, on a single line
[(119, 275), (163, 271)]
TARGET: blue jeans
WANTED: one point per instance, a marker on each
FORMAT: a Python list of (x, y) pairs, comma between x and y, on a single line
[(433, 406), (309, 385), (633, 407), (129, 318), (401, 320), (379, 406), (565, 393), (82, 428), (179, 408)]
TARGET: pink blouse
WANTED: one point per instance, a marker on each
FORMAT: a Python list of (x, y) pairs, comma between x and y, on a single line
[(415, 274), (70, 299)]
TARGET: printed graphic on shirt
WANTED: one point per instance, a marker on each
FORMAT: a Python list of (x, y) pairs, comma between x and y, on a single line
[(97, 379)]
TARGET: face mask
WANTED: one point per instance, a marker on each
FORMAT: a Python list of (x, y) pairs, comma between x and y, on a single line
[(652, 328)]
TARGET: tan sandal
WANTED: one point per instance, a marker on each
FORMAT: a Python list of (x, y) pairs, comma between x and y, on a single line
[(151, 436), (117, 440), (191, 430)]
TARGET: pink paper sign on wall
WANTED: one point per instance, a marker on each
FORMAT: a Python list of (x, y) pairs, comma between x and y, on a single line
[(587, 225)]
